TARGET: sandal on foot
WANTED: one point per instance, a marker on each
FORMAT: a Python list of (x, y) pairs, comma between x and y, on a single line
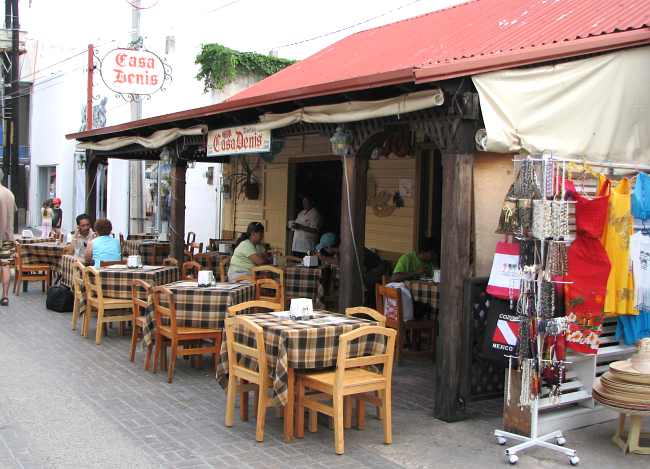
[(4, 301)]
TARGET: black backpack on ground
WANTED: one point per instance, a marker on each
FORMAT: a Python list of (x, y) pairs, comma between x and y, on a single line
[(59, 299)]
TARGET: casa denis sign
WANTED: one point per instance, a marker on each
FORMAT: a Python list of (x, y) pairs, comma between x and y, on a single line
[(133, 71), (238, 141)]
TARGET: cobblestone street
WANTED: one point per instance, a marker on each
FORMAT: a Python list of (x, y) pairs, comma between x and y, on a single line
[(67, 403)]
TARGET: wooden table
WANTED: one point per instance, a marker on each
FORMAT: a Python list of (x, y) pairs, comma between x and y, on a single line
[(300, 345), (152, 252), (201, 306), (140, 236), (629, 442), (424, 291), (305, 282), (43, 253)]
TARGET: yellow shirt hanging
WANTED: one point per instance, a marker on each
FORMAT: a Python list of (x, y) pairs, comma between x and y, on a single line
[(616, 240)]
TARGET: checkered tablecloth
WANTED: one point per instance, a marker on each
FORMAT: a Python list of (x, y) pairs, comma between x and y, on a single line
[(65, 269), (300, 345), (201, 307), (32, 240), (42, 253), (116, 282), (304, 282), (424, 292), (146, 249), (140, 236)]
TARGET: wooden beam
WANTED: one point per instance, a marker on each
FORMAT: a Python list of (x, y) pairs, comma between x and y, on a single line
[(177, 215), (92, 162), (352, 220), (455, 268)]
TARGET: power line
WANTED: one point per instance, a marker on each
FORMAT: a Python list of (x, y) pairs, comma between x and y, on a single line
[(347, 27), (225, 5)]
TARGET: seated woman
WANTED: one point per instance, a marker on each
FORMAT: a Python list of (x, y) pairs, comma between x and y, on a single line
[(104, 247), (249, 252)]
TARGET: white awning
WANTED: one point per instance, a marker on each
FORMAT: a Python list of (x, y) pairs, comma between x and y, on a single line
[(596, 108), (157, 139), (353, 111)]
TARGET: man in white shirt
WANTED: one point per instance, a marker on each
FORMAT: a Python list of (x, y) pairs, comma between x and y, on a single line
[(306, 228), (7, 250), (82, 236)]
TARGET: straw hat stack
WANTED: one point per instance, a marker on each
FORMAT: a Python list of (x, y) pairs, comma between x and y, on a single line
[(627, 383)]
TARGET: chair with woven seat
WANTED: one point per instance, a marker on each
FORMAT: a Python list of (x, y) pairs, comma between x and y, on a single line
[(78, 292), (255, 306), (141, 293), (267, 289), (25, 273), (176, 336), (241, 379), (224, 263), (190, 270), (351, 377), (389, 303), (95, 300), (269, 271), (205, 260)]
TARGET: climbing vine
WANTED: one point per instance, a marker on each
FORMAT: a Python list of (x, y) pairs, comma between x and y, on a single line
[(221, 65)]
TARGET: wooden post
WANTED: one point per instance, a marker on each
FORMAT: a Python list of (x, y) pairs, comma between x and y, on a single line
[(177, 215), (92, 162), (352, 219), (455, 268)]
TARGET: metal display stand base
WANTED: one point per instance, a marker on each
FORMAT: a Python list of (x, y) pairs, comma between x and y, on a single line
[(542, 441)]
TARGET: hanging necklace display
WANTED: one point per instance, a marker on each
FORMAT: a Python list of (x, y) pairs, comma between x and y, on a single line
[(557, 260), (560, 208)]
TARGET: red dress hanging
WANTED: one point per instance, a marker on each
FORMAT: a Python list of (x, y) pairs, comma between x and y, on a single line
[(589, 269)]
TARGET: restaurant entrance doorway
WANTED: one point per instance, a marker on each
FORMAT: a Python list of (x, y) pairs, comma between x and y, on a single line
[(320, 180)]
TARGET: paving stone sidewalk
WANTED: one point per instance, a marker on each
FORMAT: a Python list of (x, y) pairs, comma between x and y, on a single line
[(67, 403)]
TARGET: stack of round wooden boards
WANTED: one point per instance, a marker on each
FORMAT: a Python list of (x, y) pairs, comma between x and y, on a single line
[(623, 386)]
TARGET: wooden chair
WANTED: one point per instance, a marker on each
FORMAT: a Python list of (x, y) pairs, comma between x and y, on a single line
[(110, 263), (25, 273), (395, 320), (224, 263), (190, 270), (78, 291), (192, 249), (254, 305), (213, 244), (191, 237), (352, 376), (269, 271), (95, 300), (122, 242), (141, 293), (176, 336), (170, 262), (372, 398), (242, 380), (205, 260), (264, 286)]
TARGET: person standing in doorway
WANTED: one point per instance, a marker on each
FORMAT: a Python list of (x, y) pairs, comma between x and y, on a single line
[(57, 216), (46, 219), (306, 228), (7, 248)]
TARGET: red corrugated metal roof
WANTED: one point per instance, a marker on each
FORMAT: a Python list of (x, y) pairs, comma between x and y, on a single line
[(469, 38)]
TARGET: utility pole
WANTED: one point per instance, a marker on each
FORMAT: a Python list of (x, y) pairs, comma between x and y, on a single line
[(136, 212), (89, 87), (12, 133)]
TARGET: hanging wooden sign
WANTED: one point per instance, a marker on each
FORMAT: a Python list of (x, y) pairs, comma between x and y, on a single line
[(238, 141)]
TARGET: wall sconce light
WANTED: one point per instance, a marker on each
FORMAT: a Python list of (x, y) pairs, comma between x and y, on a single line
[(81, 161), (341, 141)]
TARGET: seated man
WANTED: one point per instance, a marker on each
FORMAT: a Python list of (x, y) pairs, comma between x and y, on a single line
[(414, 264), (104, 247), (83, 234)]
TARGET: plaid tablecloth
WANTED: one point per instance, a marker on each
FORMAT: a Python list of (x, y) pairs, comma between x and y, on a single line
[(42, 253), (424, 292), (140, 236), (116, 282), (300, 345), (201, 307), (304, 282), (147, 249), (65, 269), (32, 240)]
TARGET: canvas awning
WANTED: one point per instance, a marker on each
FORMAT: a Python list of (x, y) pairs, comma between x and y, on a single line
[(157, 139), (596, 108)]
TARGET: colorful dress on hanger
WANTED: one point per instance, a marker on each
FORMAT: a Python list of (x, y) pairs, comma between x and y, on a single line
[(616, 239), (588, 271)]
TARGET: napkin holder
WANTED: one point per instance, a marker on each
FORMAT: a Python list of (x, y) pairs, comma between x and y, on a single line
[(301, 308), (225, 248), (28, 234), (134, 262), (310, 261), (205, 278)]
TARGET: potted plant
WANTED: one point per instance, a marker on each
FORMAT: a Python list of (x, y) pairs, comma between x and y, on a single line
[(245, 181)]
